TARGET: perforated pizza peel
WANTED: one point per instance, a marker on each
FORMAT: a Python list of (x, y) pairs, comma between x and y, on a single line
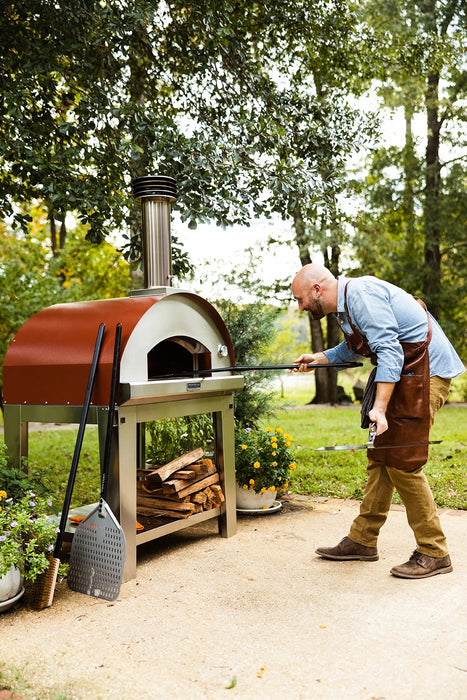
[(98, 549)]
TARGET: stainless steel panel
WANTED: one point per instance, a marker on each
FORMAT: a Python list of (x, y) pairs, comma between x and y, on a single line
[(146, 392)]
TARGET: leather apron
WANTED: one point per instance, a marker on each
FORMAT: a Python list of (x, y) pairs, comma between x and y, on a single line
[(408, 411)]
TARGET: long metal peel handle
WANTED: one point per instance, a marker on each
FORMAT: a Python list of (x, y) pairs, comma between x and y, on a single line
[(110, 418), (79, 440)]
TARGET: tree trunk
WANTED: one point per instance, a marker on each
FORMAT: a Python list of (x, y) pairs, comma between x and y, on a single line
[(316, 330), (301, 238), (321, 375), (333, 329), (62, 237), (431, 209), (409, 163), (53, 234)]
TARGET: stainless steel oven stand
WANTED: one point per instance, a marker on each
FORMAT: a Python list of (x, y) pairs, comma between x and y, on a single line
[(122, 481)]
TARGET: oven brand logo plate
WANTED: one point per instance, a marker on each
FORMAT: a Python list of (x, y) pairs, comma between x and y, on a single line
[(193, 386)]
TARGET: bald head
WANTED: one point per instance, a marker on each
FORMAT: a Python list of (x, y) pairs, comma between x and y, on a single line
[(315, 290)]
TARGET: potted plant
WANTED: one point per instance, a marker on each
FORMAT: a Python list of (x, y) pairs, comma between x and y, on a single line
[(27, 535), (263, 462), (27, 530)]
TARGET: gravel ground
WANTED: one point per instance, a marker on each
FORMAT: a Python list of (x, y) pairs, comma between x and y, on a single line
[(257, 615)]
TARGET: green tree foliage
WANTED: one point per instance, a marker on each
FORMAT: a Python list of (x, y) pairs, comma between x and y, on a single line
[(411, 229), (251, 327), (32, 278), (217, 95)]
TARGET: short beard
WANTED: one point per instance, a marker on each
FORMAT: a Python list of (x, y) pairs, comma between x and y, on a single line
[(317, 312)]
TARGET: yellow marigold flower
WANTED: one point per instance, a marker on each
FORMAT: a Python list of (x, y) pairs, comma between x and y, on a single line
[(272, 488), (274, 454), (245, 486), (274, 464), (244, 447), (269, 430), (252, 482), (279, 430), (256, 465), (286, 484), (292, 466), (287, 436), (263, 490), (287, 443), (2, 494)]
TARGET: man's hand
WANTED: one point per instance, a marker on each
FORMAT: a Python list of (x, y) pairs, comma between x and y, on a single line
[(378, 417), (384, 391), (318, 358)]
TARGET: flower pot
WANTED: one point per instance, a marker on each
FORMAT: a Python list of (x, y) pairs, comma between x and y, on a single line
[(10, 584), (249, 499)]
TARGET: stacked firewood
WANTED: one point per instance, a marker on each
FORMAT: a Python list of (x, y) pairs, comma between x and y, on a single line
[(187, 485)]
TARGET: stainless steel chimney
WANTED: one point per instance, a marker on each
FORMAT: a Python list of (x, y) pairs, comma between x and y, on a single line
[(156, 193)]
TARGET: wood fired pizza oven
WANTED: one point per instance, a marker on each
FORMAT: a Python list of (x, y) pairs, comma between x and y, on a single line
[(176, 333), (168, 335)]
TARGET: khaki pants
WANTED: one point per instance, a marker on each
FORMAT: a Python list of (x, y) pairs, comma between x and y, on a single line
[(412, 487)]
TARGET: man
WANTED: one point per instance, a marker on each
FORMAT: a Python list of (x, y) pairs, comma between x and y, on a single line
[(389, 325)]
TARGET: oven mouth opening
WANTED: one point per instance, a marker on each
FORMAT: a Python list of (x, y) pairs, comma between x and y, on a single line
[(176, 357)]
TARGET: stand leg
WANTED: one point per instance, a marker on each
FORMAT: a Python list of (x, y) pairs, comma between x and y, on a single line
[(225, 458)]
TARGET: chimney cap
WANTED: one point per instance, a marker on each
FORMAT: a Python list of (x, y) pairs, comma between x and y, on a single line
[(155, 186)]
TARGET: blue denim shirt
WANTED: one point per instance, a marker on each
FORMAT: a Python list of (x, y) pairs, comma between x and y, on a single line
[(386, 314)]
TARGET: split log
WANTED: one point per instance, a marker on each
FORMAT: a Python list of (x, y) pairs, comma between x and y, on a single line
[(202, 466), (149, 502), (144, 512), (184, 474), (199, 485), (177, 485), (209, 494), (199, 497), (156, 477), (158, 493), (217, 495), (179, 514), (146, 489)]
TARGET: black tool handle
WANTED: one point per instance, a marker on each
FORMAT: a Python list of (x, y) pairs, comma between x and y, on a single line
[(110, 418), (79, 441), (249, 368)]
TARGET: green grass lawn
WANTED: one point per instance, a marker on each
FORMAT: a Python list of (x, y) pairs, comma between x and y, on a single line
[(343, 475), (49, 460), (339, 474)]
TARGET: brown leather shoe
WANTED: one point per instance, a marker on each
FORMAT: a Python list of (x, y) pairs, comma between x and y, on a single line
[(421, 566), (347, 550)]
